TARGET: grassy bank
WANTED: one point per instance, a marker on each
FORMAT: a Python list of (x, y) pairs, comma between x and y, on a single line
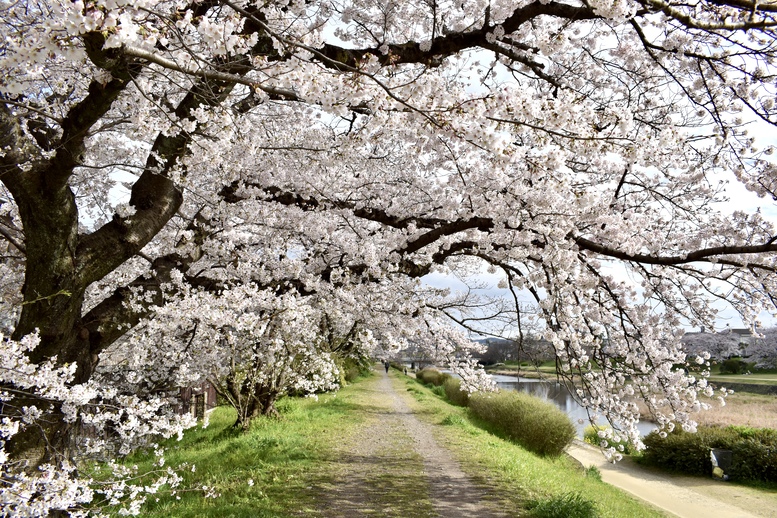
[(524, 369), (742, 409), (758, 381), (287, 467), (522, 478), (271, 471)]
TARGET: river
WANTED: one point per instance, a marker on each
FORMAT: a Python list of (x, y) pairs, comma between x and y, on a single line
[(558, 394)]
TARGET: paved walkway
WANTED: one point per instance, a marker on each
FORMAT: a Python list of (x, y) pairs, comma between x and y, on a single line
[(682, 496)]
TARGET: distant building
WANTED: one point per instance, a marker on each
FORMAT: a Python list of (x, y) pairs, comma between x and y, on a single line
[(198, 399)]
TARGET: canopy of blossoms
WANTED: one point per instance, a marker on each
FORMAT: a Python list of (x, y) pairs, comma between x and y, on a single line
[(238, 181)]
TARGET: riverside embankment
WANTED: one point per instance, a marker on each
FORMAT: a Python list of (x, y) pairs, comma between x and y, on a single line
[(382, 447), (677, 495)]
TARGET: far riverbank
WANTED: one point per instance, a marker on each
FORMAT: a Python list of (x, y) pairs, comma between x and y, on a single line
[(753, 405)]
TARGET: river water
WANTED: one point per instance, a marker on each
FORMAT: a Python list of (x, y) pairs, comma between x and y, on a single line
[(558, 394)]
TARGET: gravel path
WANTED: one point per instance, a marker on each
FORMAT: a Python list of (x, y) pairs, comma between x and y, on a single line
[(394, 467)]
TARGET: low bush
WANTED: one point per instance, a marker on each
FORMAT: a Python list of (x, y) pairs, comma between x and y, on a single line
[(591, 436), (754, 451), (353, 368), (535, 424), (398, 366), (454, 393), (439, 391), (352, 374), (567, 505), (734, 366), (431, 377)]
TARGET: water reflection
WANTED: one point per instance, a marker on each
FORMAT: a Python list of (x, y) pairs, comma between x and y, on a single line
[(558, 394)]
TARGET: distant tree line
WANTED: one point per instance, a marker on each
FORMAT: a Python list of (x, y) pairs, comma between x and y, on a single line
[(758, 349), (532, 349)]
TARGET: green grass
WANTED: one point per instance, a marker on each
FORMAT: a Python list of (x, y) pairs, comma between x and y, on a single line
[(756, 378), (520, 477), (568, 505), (296, 460), (286, 458)]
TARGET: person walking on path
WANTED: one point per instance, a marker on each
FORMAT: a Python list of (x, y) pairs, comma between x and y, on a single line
[(387, 365)]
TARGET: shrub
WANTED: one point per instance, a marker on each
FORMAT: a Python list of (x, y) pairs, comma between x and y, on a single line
[(567, 505), (733, 366), (454, 393), (352, 374), (352, 368), (681, 451), (591, 436), (431, 377), (398, 366), (535, 424), (754, 451)]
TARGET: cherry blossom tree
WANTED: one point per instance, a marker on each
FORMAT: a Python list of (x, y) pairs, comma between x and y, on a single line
[(579, 147), (763, 350), (718, 346)]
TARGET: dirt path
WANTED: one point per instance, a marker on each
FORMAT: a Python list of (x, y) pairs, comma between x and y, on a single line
[(686, 497), (392, 467)]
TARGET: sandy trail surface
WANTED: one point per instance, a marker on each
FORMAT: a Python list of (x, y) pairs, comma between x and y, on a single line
[(686, 497)]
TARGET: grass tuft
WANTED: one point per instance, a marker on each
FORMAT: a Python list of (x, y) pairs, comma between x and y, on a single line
[(567, 505), (454, 420), (593, 472)]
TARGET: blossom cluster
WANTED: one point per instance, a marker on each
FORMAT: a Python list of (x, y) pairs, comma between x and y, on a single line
[(100, 422)]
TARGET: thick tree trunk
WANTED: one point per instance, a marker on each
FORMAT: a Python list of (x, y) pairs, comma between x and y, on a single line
[(53, 298), (60, 264), (249, 400)]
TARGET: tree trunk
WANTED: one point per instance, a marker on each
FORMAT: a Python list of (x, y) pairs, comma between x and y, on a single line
[(53, 299)]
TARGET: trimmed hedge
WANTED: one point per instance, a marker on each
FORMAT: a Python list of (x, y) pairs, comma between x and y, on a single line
[(533, 423), (454, 393), (431, 377), (754, 451)]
